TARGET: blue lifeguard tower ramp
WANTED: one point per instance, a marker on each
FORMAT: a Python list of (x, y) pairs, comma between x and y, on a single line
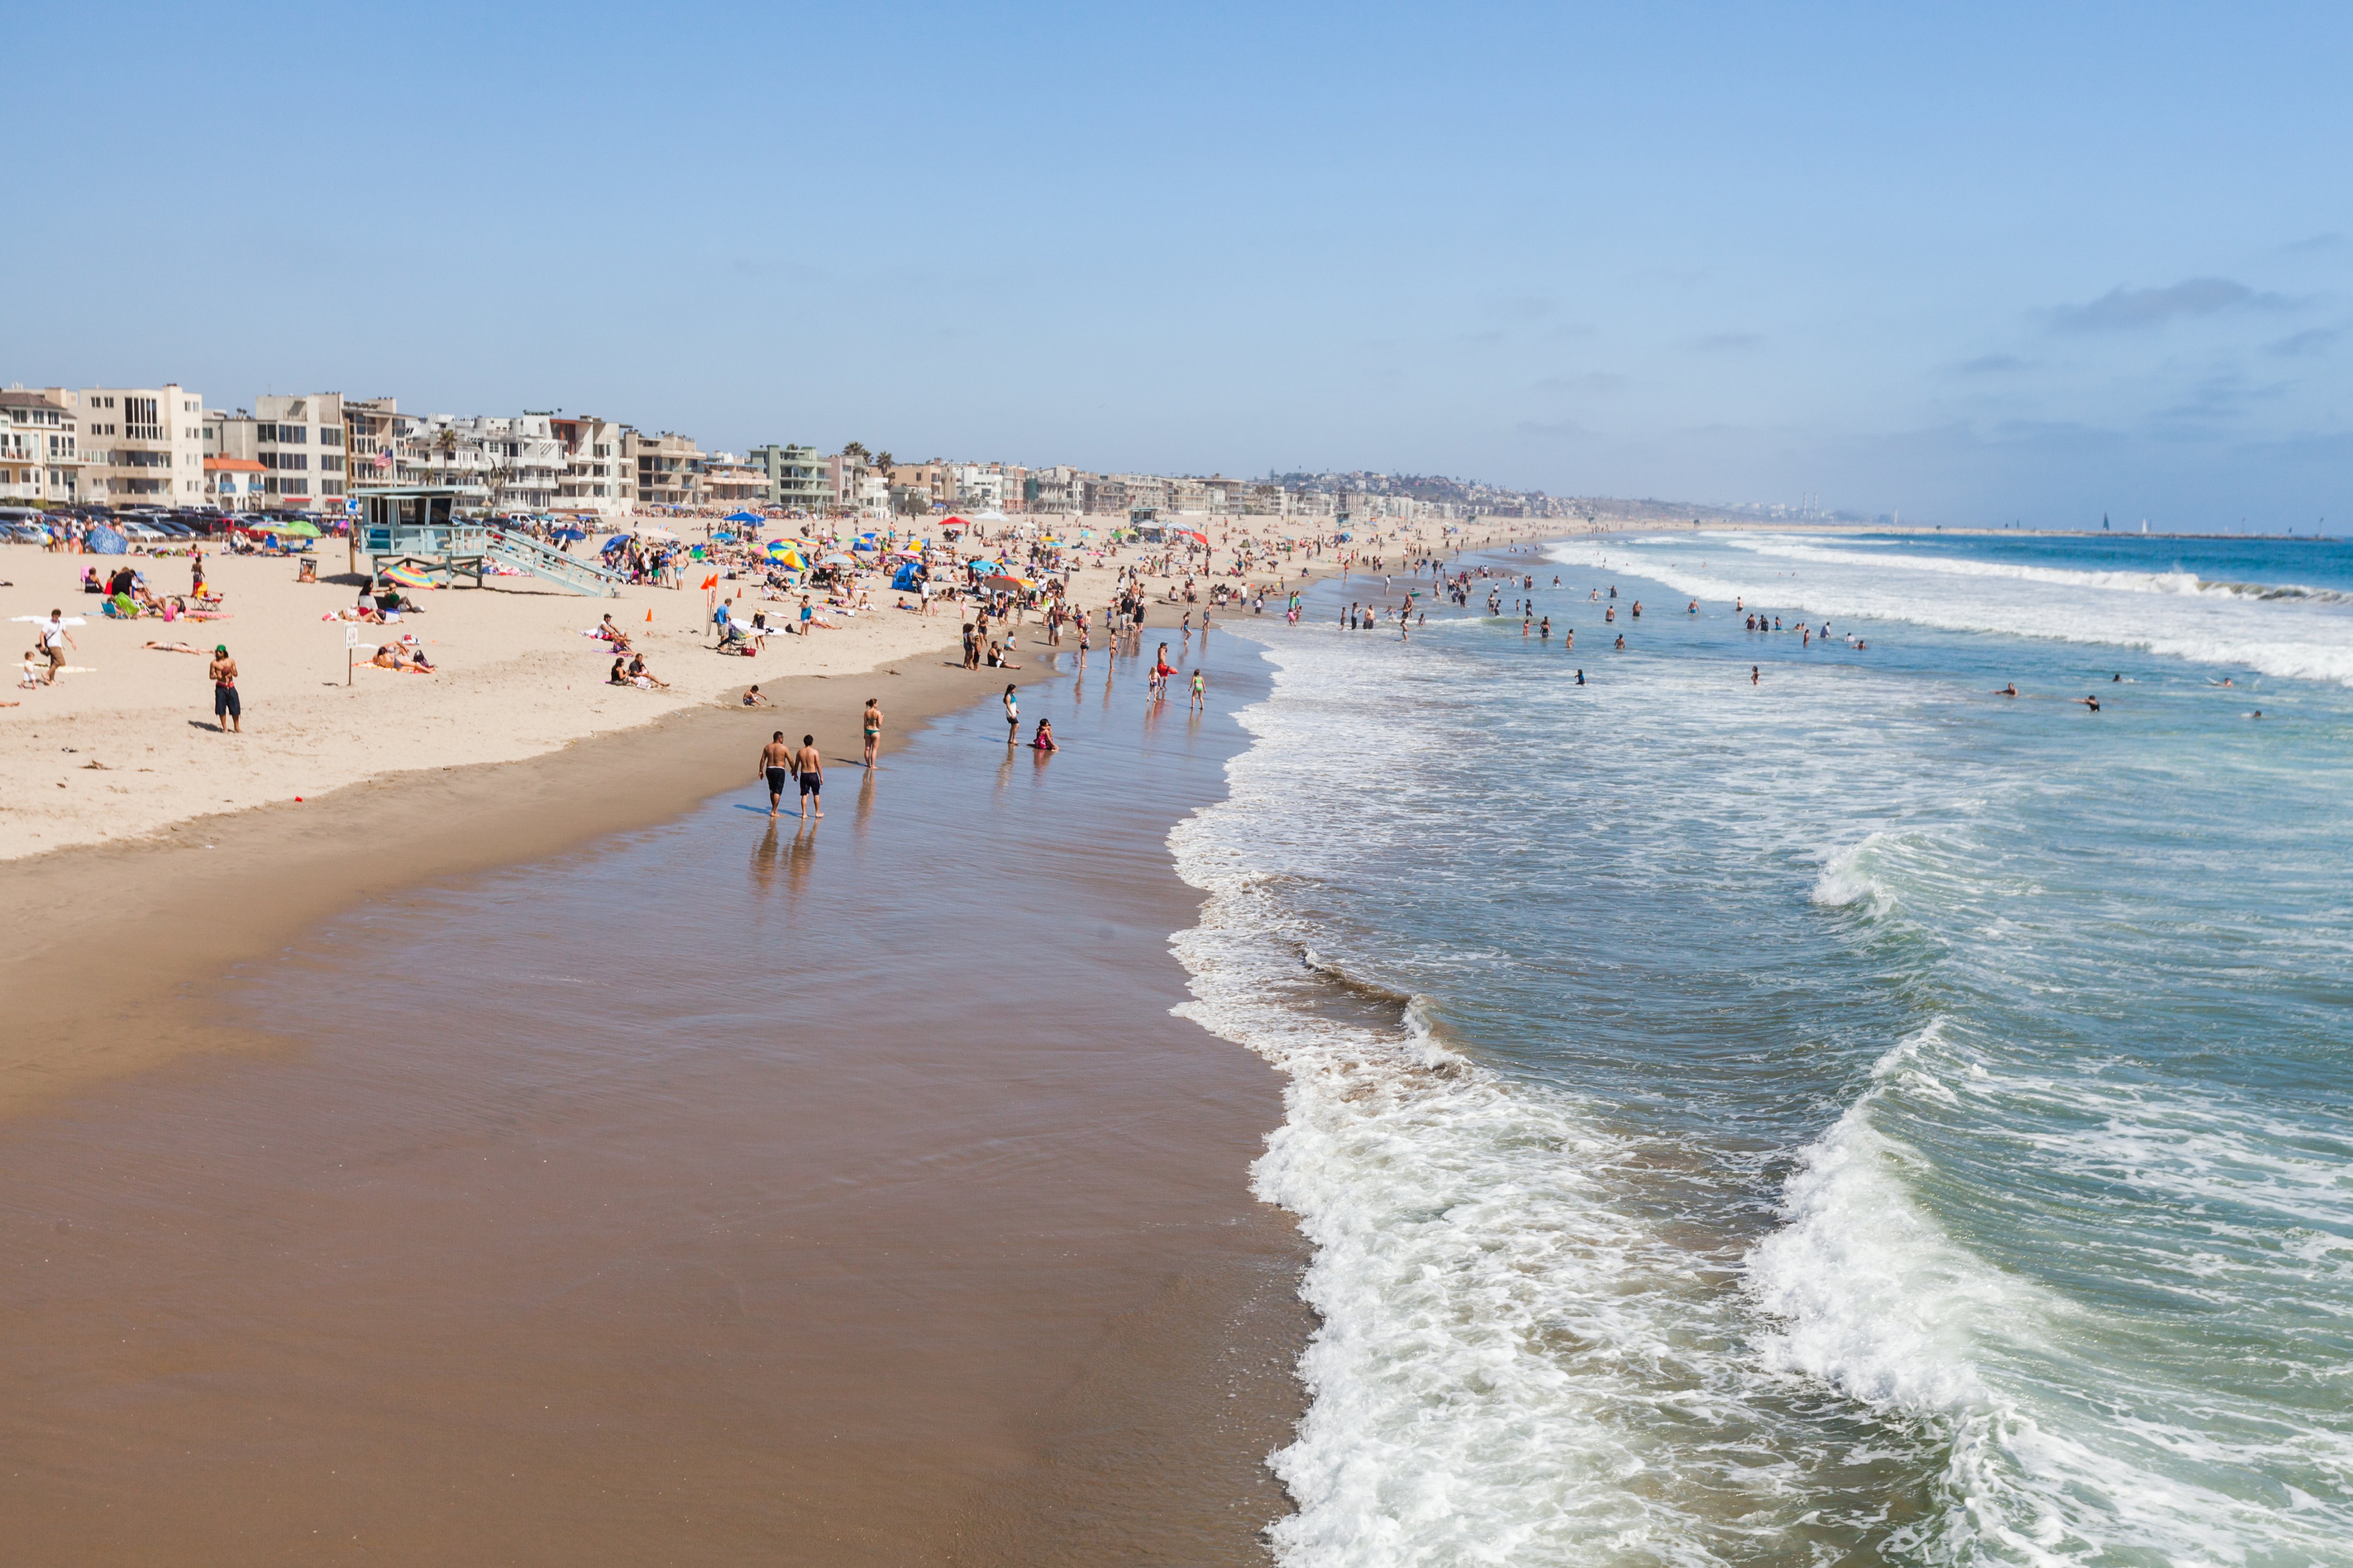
[(420, 527)]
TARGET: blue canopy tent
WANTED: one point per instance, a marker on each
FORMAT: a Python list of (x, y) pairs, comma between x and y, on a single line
[(910, 576), (753, 517)]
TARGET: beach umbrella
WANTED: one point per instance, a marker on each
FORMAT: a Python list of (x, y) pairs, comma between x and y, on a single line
[(837, 558), (617, 538), (1008, 584), (406, 577), (570, 533), (743, 517)]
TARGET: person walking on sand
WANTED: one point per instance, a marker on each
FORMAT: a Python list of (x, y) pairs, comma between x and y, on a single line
[(777, 764), (808, 766), (228, 711), (1012, 717), (55, 639), (871, 720)]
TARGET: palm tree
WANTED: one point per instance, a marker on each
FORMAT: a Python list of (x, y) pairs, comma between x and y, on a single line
[(854, 450)]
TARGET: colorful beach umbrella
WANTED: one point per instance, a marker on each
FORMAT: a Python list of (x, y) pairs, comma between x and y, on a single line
[(406, 577)]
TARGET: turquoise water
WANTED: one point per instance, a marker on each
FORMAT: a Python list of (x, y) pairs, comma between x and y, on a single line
[(1845, 1115)]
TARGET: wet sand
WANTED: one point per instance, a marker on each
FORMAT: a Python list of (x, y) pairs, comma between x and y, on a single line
[(699, 1193)]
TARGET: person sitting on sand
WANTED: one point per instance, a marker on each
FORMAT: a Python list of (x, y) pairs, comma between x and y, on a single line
[(365, 610), (753, 698), (644, 677), (619, 674), (613, 635)]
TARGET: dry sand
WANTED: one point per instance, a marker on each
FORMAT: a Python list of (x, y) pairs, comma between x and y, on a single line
[(128, 748)]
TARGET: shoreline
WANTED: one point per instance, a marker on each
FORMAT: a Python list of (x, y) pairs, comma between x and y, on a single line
[(1007, 1297)]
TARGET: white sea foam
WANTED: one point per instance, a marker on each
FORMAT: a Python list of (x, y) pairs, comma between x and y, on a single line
[(1877, 1299), (2279, 630), (1518, 1361)]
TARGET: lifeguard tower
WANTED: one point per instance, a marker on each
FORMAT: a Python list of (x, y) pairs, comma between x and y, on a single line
[(420, 527)]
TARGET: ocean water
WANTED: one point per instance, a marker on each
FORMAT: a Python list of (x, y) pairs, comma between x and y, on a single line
[(1840, 1115)]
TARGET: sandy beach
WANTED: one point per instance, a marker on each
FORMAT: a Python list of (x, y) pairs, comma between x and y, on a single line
[(125, 747), (1099, 1381)]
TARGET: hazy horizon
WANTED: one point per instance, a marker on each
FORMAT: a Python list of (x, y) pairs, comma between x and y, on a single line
[(2003, 267)]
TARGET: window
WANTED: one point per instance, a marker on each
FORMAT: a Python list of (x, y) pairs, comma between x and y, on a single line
[(330, 487), (330, 462), (330, 434)]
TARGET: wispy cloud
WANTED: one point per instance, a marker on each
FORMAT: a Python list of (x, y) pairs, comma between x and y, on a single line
[(1727, 342), (2135, 310), (1993, 364), (1553, 430), (2317, 244), (1589, 381), (2311, 341)]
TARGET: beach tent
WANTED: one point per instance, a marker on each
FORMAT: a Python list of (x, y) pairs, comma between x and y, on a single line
[(909, 575), (104, 541), (953, 525), (744, 517)]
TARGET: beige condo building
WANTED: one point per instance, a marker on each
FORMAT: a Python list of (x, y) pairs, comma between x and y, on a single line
[(143, 446)]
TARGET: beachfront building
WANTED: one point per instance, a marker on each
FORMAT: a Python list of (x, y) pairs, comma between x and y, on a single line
[(380, 444), (40, 456), (518, 460), (977, 487), (1056, 490), (667, 468), (799, 478), (298, 441), (923, 485), (596, 479), (1104, 495), (142, 446), (857, 489), (728, 482)]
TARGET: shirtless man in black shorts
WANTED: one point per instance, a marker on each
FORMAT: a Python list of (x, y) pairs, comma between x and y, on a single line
[(808, 763), (776, 764)]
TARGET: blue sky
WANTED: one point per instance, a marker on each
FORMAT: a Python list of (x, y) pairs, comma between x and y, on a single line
[(1975, 263)]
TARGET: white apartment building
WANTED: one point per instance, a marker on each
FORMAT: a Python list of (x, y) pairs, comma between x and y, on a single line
[(979, 486), (143, 446), (597, 478), (519, 462), (40, 461)]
